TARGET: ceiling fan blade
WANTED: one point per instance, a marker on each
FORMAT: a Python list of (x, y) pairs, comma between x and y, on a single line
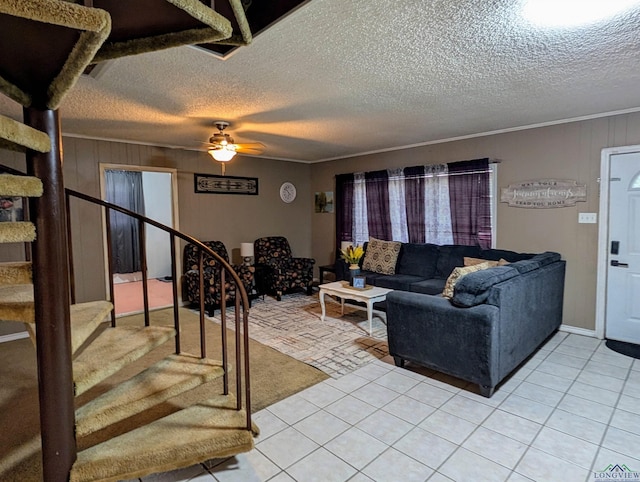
[(249, 150), (251, 145)]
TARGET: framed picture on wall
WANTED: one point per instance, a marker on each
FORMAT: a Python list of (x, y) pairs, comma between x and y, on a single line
[(11, 209), (324, 202)]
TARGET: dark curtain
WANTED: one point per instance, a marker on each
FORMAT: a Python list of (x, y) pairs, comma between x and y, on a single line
[(414, 196), (470, 202), (344, 208), (379, 218), (124, 188)]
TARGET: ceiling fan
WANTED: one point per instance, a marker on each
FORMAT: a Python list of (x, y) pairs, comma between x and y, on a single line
[(222, 147)]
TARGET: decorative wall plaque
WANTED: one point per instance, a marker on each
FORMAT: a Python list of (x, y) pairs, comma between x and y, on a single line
[(544, 193), (209, 183)]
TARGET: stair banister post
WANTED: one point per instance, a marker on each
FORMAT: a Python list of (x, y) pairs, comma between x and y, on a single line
[(51, 296)]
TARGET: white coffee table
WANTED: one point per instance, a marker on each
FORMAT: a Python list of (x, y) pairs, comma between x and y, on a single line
[(368, 296)]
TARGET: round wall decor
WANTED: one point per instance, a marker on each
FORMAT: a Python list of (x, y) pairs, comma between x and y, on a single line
[(287, 192)]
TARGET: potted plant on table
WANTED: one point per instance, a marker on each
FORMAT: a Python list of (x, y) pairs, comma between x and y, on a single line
[(352, 256)]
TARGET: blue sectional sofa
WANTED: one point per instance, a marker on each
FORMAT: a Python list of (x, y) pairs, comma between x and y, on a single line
[(496, 318)]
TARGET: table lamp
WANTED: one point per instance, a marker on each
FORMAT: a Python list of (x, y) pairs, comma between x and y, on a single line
[(246, 251)]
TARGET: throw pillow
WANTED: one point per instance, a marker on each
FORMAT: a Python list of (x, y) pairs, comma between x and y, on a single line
[(458, 273), (381, 256), (473, 261)]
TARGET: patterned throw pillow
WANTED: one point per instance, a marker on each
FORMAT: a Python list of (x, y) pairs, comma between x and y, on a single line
[(458, 273), (381, 256)]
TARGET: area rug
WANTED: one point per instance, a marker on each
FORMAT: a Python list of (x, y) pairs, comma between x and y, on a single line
[(628, 349), (338, 345)]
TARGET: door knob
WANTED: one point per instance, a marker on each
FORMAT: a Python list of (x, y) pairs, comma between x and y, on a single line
[(615, 262)]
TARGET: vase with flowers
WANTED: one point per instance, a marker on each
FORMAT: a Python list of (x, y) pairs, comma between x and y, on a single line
[(352, 256)]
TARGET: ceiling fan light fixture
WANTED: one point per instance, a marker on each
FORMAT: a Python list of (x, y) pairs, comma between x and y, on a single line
[(222, 155)]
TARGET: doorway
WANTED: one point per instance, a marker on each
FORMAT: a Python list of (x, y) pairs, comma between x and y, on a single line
[(618, 301), (151, 192)]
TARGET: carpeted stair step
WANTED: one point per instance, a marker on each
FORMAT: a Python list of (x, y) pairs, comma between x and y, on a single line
[(17, 232), (22, 186), (15, 273), (17, 136), (85, 318), (207, 430), (160, 382), (16, 303), (114, 349)]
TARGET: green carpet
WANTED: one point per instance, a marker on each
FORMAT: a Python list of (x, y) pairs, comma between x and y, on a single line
[(274, 376)]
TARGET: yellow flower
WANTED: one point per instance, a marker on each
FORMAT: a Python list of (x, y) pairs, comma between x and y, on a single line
[(352, 255)]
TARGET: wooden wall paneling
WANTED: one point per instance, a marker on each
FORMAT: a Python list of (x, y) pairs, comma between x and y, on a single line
[(570, 151), (87, 226)]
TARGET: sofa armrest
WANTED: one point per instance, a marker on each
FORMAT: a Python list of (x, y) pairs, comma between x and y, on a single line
[(303, 264), (246, 275)]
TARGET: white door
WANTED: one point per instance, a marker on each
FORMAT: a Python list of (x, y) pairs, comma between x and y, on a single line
[(158, 205), (623, 261)]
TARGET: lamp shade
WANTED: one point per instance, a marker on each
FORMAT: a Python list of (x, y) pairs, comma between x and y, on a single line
[(345, 244), (222, 155), (246, 250)]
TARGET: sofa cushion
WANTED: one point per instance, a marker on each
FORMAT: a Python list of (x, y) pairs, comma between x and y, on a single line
[(459, 273), (496, 254), (371, 277), (546, 258), (418, 259), (451, 256), (537, 261), (381, 256), (398, 281), (525, 265), (473, 289), (433, 286)]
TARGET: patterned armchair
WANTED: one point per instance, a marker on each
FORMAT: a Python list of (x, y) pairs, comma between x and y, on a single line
[(278, 270), (212, 278)]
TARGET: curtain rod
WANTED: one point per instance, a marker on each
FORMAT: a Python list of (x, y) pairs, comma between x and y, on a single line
[(491, 161)]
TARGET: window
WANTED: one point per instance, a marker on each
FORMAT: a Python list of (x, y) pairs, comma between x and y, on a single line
[(441, 204)]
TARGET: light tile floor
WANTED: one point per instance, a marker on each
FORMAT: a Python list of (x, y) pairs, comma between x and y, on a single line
[(571, 409)]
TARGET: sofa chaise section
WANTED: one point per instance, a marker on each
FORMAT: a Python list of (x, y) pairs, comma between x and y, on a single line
[(503, 315)]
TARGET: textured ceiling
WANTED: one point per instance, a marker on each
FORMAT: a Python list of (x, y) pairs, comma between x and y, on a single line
[(337, 78)]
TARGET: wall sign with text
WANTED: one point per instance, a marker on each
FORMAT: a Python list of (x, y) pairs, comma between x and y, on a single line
[(211, 184), (544, 193)]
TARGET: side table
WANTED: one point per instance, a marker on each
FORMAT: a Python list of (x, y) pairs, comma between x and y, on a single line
[(261, 282), (327, 268)]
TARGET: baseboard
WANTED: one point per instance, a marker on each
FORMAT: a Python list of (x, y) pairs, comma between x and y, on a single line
[(14, 336), (578, 331)]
